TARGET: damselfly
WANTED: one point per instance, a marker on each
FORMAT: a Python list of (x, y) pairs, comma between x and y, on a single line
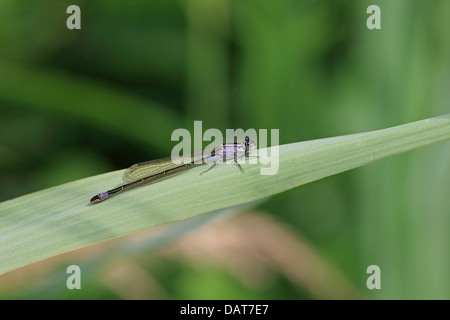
[(156, 170)]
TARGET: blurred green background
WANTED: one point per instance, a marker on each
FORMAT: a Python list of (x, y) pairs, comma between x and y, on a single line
[(76, 103)]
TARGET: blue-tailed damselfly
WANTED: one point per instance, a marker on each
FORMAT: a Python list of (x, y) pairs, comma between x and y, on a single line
[(155, 170)]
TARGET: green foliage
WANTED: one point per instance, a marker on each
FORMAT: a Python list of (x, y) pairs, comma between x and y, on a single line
[(60, 219), (74, 104)]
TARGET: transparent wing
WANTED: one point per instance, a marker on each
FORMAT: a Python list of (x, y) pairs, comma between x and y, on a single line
[(145, 169)]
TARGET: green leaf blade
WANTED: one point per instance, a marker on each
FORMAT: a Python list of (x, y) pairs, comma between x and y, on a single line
[(56, 220)]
